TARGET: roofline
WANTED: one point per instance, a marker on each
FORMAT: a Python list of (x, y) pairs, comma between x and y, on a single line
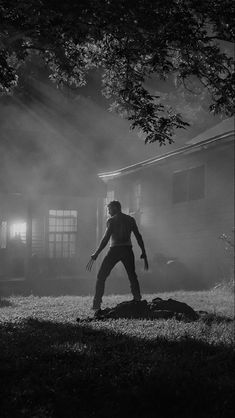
[(108, 175)]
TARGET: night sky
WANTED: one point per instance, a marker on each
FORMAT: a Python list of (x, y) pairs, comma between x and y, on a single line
[(79, 120)]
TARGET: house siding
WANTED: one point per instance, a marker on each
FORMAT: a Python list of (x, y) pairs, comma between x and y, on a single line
[(187, 231)]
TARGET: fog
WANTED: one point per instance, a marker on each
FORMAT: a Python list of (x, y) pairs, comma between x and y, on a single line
[(54, 142), (48, 129)]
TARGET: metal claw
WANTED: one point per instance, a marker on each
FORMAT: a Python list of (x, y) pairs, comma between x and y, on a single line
[(90, 264)]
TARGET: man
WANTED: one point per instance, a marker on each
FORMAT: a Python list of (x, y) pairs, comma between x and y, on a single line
[(119, 229)]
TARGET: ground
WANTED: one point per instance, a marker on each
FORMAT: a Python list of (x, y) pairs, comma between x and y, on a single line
[(52, 366)]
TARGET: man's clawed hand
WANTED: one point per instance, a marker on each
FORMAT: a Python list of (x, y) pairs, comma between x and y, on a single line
[(91, 261), (146, 264)]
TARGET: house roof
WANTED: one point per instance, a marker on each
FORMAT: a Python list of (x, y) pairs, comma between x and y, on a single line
[(223, 131), (221, 128)]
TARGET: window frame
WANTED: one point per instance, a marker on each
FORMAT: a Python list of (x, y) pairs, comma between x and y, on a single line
[(62, 233)]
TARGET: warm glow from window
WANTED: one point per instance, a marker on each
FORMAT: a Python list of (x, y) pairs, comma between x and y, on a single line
[(19, 230)]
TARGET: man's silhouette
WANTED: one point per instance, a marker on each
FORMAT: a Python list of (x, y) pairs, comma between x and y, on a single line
[(119, 229)]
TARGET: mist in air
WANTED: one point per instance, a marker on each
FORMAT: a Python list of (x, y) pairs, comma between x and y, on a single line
[(54, 141)]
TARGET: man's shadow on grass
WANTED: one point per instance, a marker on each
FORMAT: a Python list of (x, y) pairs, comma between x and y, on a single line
[(96, 370)]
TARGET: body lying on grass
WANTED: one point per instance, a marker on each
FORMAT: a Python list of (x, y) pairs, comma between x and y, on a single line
[(156, 309)]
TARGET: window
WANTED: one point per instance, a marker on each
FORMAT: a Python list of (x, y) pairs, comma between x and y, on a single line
[(18, 231), (62, 233), (189, 184)]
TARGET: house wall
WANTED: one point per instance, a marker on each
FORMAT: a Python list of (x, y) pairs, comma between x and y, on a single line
[(185, 234)]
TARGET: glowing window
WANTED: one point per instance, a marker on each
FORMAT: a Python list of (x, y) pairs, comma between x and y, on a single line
[(18, 230), (62, 233)]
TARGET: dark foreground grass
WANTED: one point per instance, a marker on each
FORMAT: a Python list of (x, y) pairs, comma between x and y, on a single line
[(51, 366)]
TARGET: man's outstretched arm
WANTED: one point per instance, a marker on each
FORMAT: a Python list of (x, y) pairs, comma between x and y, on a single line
[(140, 241), (103, 243)]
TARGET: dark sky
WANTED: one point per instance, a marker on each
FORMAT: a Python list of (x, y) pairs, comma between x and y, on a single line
[(78, 122)]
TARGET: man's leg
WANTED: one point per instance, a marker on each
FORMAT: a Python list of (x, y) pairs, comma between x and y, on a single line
[(128, 260), (105, 269)]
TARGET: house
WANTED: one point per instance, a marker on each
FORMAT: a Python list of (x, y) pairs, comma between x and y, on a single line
[(48, 215), (183, 201)]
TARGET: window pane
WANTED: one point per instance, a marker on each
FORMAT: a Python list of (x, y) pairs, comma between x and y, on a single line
[(73, 227), (72, 237), (65, 237), (51, 237), (64, 225), (52, 212), (65, 250), (18, 231), (72, 249)]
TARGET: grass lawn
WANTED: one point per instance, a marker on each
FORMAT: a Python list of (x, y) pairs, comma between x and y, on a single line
[(52, 366)]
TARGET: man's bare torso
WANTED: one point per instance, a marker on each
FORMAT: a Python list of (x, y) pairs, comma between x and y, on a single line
[(121, 226)]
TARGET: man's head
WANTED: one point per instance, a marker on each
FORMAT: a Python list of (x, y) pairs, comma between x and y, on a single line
[(114, 207)]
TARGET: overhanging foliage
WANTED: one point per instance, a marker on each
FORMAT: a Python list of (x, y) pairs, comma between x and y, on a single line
[(130, 41)]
